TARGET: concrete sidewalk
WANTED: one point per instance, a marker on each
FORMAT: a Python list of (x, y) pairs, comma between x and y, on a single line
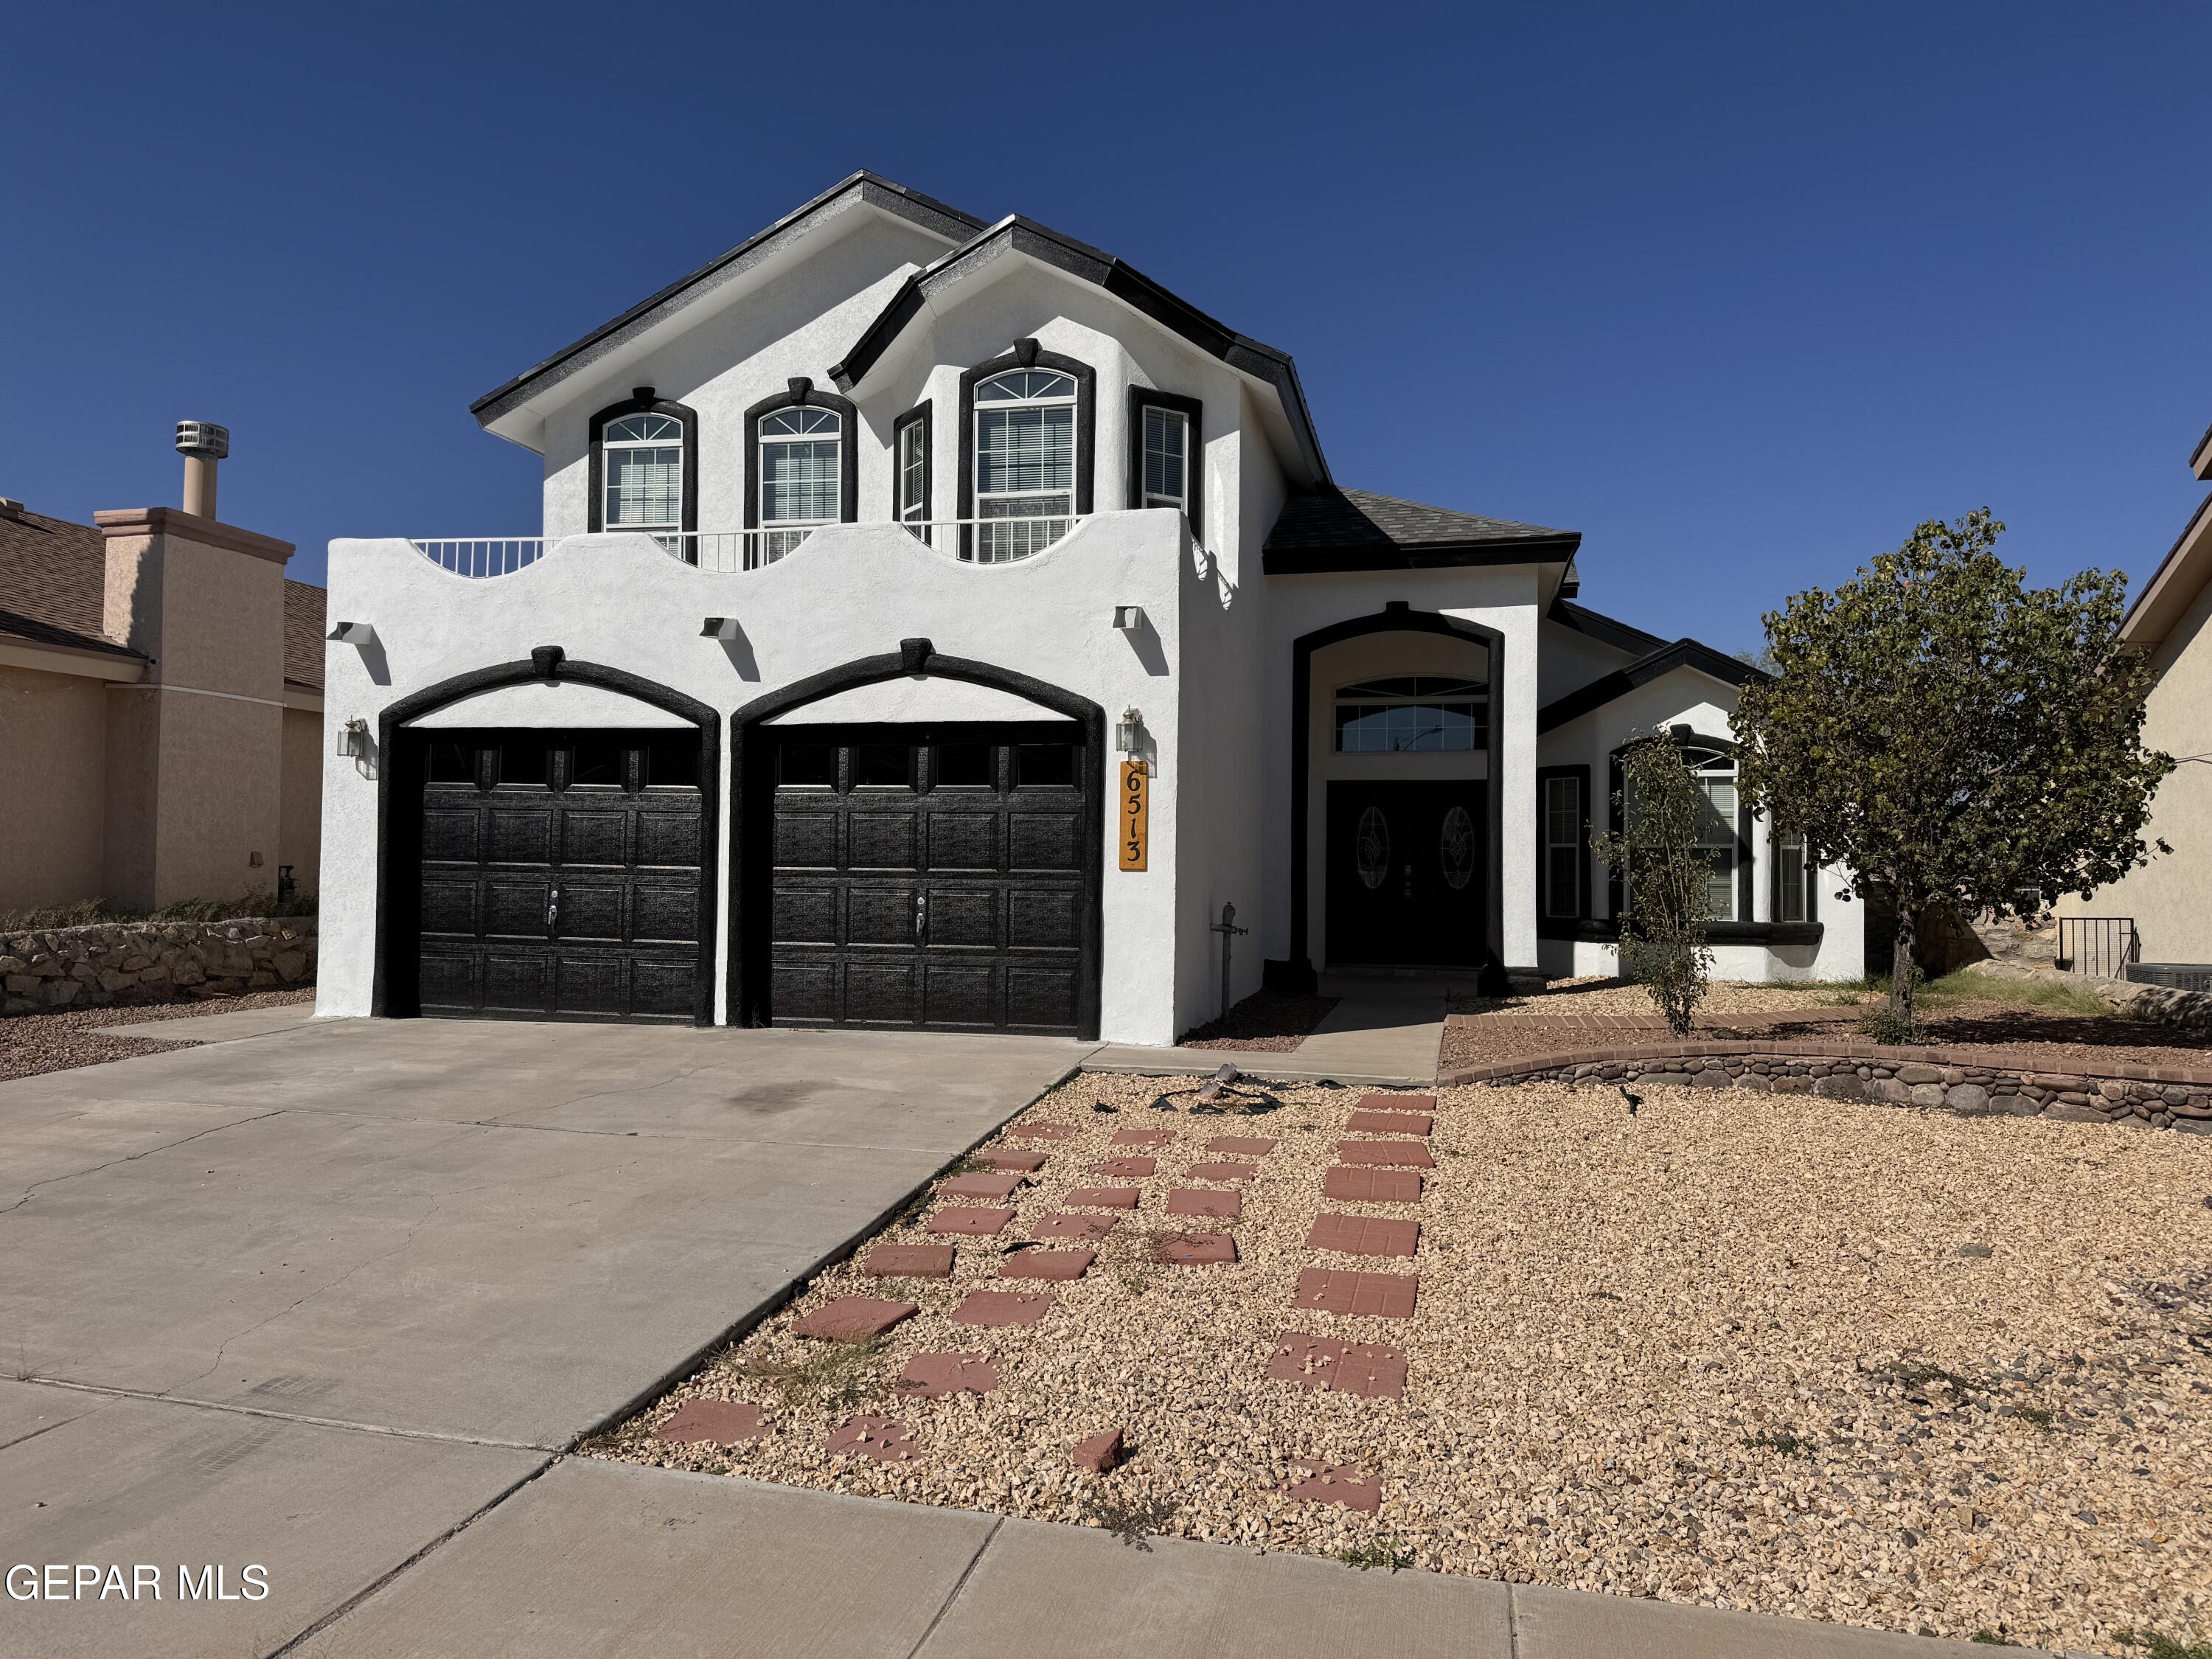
[(1385, 1030)]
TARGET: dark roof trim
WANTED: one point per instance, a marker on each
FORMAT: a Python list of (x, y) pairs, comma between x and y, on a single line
[(1093, 266), (2200, 458), (1606, 630), (1308, 562), (872, 188), (1607, 688)]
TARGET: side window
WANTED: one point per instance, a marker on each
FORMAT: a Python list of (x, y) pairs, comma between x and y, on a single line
[(1564, 838), (910, 472), (1166, 452)]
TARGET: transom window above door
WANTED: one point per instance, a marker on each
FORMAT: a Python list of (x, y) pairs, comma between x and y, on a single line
[(800, 466), (1413, 714), (643, 460), (1024, 462)]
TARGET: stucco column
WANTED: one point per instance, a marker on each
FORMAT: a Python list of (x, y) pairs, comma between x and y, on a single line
[(1514, 776)]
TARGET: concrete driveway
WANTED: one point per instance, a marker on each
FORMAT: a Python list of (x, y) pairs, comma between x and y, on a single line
[(314, 1299)]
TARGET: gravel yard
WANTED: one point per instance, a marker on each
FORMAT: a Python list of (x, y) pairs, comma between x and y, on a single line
[(33, 1044), (1570, 998), (1867, 1364)]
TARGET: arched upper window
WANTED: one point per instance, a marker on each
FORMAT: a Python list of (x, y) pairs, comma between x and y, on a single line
[(1025, 461), (1413, 714), (1720, 833), (643, 469), (800, 466)]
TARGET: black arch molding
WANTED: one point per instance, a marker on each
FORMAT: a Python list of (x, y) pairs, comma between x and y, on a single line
[(546, 662)]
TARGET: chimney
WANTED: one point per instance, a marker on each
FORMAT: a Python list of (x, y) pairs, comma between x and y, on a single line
[(202, 443)]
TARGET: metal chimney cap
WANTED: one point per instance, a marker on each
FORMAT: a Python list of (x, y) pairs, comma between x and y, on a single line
[(202, 438)]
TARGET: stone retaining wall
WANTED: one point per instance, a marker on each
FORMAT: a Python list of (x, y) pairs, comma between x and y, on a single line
[(1970, 1083), (135, 962)]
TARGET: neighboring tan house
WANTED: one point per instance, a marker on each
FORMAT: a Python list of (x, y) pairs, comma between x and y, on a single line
[(161, 706), (935, 625), (2170, 898)]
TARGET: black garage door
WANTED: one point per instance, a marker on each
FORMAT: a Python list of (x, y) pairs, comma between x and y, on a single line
[(561, 875), (931, 878)]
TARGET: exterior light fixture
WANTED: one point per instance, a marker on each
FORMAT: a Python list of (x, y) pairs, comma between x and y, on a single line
[(1129, 735), (360, 634), (1129, 619), (352, 739), (722, 628)]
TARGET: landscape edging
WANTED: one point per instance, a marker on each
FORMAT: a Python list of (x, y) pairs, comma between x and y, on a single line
[(1971, 1083), (44, 968)]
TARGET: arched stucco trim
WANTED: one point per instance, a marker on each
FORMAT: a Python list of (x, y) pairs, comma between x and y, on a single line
[(643, 402), (399, 771), (1395, 617), (1027, 354), (800, 394), (751, 793)]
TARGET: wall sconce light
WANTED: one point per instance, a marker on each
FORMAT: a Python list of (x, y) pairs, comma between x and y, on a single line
[(1129, 735), (1129, 619), (360, 634), (722, 628), (352, 739)]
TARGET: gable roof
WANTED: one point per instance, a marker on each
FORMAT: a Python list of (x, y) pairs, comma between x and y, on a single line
[(873, 189), (1606, 630), (53, 584), (1121, 280), (1333, 529), (1607, 688)]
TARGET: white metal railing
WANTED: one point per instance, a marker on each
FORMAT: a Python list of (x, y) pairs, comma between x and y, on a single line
[(979, 541)]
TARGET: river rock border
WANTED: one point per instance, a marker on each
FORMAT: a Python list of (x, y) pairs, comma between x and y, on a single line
[(135, 962), (1972, 1083)]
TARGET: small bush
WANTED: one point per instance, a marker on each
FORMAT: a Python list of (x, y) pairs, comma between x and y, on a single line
[(1386, 1552), (1881, 1024), (2157, 1645), (834, 1375), (1663, 867)]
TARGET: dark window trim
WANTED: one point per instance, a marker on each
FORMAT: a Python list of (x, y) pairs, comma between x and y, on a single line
[(750, 736), (1027, 354), (642, 401), (918, 415), (391, 993), (1144, 397), (1600, 930), (1548, 925), (801, 394), (1683, 737), (1296, 972)]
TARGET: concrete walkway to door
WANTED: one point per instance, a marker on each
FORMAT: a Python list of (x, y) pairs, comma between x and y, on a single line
[(1385, 1029)]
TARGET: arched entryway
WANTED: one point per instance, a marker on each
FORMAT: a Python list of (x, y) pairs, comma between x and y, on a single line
[(932, 874)]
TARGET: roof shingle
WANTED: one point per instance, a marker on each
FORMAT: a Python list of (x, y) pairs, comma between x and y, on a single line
[(1383, 531)]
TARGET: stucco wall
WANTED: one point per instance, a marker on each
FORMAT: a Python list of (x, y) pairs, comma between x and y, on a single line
[(2171, 897), (53, 759)]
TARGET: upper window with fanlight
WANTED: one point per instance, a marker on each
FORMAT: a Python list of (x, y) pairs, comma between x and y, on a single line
[(1025, 461), (801, 464), (1413, 714), (641, 463)]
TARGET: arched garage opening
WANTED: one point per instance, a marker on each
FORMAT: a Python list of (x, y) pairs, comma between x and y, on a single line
[(933, 874), (546, 833)]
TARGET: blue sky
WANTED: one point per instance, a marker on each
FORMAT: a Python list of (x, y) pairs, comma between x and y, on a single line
[(1740, 292)]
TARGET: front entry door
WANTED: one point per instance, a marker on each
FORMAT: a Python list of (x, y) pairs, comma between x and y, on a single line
[(1406, 864)]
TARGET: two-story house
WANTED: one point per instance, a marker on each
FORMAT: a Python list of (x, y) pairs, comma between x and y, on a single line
[(935, 625)]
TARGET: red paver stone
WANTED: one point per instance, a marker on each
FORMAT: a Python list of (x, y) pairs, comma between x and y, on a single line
[(1362, 1186), (982, 1224), (718, 1422), (1196, 1249), (1098, 1452), (1026, 1163), (1041, 1130), (1101, 1198), (1128, 1168), (1143, 1137), (1244, 1145), (879, 1437), (1338, 1483), (1206, 1201), (1374, 1368), (1398, 1104), (1363, 1235), (909, 1261), (1075, 1226), (1221, 1172), (1344, 1291), (1401, 1152), (853, 1318), (1003, 1308), (934, 1375), (1390, 1123), (980, 1186), (1059, 1266)]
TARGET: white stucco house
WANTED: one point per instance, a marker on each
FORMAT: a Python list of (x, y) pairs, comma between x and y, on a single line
[(873, 552)]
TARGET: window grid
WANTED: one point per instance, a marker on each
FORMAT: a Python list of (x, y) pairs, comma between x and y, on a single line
[(1413, 714), (800, 453), (1167, 458), (1562, 846), (1024, 462), (642, 463)]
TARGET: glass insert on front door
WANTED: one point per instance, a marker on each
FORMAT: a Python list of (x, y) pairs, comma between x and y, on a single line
[(1455, 848), (1371, 848)]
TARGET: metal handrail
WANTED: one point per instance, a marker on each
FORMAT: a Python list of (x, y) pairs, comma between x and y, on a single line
[(995, 541), (2101, 947)]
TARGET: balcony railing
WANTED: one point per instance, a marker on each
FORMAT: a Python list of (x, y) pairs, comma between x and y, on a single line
[(988, 541)]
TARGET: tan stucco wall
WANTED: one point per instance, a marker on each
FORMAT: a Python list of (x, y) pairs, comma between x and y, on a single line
[(299, 828), (53, 742), (2171, 897)]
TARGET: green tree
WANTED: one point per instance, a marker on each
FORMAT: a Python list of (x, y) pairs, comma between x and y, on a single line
[(1664, 869), (1949, 734)]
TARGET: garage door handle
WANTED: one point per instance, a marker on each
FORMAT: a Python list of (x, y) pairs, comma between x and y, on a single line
[(920, 917), (553, 910)]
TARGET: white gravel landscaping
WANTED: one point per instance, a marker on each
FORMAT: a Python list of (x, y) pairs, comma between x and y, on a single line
[(1778, 1353)]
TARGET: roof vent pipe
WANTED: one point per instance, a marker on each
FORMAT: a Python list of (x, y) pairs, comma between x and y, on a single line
[(202, 443)]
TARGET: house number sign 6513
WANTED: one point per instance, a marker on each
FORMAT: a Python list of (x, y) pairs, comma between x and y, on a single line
[(1133, 835)]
